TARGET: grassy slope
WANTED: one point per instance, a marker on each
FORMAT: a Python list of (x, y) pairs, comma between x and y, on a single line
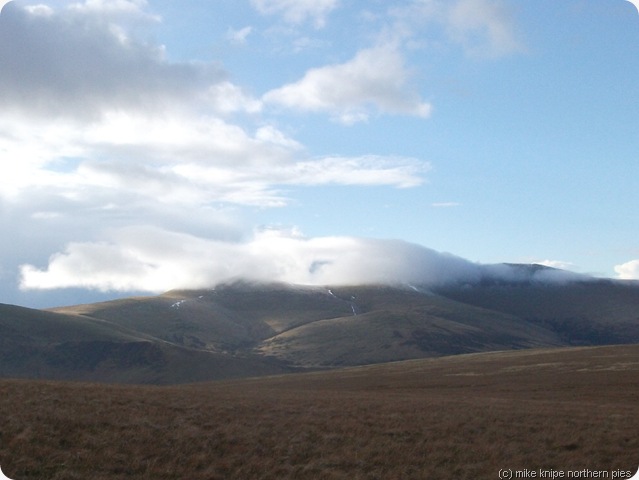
[(586, 313), (41, 344), (399, 324), (226, 318), (317, 326), (42, 327), (462, 417)]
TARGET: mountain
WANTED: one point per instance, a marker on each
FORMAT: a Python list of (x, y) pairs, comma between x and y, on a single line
[(320, 327), (248, 329)]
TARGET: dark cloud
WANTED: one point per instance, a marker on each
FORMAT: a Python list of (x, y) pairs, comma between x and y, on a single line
[(78, 63)]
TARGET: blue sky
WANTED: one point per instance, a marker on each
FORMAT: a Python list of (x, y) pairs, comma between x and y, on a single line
[(150, 145)]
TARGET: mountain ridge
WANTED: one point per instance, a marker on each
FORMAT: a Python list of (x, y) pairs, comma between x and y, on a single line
[(251, 329)]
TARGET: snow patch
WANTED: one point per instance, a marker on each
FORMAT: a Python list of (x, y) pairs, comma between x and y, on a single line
[(177, 304)]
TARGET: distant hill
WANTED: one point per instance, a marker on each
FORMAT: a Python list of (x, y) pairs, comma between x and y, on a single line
[(246, 329)]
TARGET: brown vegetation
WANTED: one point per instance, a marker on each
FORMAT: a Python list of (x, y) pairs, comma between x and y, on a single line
[(463, 417)]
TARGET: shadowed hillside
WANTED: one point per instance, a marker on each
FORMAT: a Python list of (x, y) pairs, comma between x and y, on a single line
[(581, 313), (41, 344)]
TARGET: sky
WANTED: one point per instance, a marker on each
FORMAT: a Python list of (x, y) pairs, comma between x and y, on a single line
[(147, 145)]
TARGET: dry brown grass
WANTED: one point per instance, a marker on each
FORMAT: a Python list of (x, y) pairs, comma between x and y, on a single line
[(461, 417)]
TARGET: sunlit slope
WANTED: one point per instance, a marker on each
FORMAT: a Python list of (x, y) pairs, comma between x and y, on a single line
[(227, 318), (389, 324), (583, 373)]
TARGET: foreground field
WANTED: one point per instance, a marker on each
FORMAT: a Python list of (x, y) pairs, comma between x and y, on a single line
[(463, 417)]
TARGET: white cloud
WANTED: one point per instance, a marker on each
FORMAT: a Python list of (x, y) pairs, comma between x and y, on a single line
[(238, 36), (376, 79), (189, 162), (272, 135), (152, 130), (628, 270), (181, 160), (225, 97), (156, 260), (366, 170), (150, 259), (483, 27), (556, 264), (298, 11), (258, 185), (635, 3), (114, 8)]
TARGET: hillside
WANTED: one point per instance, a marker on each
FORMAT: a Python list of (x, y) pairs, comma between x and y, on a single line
[(462, 417), (390, 324), (246, 329), (582, 313), (316, 326), (41, 344)]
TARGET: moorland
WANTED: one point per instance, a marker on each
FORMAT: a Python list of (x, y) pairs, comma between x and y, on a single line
[(458, 417)]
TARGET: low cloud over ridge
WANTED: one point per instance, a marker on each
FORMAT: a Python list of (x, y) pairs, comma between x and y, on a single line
[(154, 260), (628, 270)]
